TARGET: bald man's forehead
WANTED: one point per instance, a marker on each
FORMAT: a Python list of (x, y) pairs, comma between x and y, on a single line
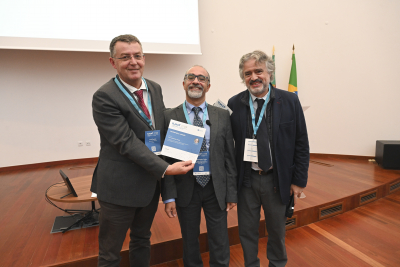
[(197, 70)]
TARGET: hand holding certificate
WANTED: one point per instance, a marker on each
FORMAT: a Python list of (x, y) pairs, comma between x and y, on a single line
[(183, 141), (178, 168)]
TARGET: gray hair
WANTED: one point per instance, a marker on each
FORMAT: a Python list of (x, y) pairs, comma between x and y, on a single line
[(261, 58), (209, 77), (126, 38)]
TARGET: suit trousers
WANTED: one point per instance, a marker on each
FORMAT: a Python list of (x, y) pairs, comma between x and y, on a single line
[(115, 221), (217, 228), (261, 193)]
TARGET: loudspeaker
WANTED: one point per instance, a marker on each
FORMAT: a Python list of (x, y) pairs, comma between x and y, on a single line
[(387, 154)]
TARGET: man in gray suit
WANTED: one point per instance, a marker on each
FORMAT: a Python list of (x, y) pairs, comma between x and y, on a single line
[(185, 195), (127, 175)]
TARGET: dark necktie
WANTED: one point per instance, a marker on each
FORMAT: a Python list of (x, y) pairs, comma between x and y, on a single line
[(264, 156), (139, 94), (201, 179)]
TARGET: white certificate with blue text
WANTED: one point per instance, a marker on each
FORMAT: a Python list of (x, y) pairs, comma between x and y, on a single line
[(183, 141)]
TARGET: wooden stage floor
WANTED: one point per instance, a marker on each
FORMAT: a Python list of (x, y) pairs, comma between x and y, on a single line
[(337, 184), (366, 236)]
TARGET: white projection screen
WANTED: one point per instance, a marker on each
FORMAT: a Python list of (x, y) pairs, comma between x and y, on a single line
[(163, 27)]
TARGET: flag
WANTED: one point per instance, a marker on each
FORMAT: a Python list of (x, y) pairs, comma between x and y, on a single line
[(293, 76), (273, 59)]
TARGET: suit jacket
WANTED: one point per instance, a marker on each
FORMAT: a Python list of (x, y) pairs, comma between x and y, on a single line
[(127, 171), (287, 133), (222, 162)]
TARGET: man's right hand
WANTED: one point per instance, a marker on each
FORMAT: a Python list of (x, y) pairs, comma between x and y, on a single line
[(170, 209), (178, 168)]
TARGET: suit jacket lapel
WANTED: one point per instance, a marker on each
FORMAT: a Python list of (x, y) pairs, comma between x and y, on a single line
[(213, 117), (276, 115), (243, 113), (180, 115), (157, 113)]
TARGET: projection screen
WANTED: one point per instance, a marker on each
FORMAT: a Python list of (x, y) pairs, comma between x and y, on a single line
[(163, 27)]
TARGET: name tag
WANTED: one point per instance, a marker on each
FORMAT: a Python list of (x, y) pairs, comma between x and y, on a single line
[(250, 150), (202, 166), (153, 141)]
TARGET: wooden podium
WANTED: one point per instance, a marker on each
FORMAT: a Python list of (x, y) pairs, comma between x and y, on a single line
[(60, 193)]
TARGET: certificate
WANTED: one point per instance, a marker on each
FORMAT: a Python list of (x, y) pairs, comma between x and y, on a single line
[(183, 141)]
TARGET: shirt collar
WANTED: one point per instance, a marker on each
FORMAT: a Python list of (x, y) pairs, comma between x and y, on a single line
[(131, 88), (189, 106)]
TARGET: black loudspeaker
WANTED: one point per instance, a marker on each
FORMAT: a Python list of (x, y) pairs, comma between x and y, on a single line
[(387, 154)]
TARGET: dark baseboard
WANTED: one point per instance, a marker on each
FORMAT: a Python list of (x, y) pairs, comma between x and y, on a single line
[(49, 164)]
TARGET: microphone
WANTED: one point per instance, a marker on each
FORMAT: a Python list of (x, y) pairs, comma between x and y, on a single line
[(208, 123)]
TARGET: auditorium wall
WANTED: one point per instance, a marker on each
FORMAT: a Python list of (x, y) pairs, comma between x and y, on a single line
[(347, 62)]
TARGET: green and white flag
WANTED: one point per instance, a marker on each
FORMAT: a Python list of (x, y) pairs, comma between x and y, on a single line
[(293, 75)]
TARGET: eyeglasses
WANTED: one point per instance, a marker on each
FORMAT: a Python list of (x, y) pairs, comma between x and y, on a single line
[(192, 77), (126, 58)]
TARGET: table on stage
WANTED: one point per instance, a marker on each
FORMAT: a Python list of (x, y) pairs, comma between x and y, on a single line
[(60, 193)]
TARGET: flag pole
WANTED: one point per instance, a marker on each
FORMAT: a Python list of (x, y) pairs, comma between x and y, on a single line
[(273, 82), (293, 75)]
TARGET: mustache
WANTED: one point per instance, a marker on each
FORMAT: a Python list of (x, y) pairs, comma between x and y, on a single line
[(256, 80), (196, 86)]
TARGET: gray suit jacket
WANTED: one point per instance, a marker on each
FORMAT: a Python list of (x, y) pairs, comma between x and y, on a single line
[(222, 162), (127, 171)]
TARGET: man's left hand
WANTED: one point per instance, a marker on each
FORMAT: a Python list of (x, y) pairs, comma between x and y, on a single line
[(230, 206), (170, 209), (296, 190)]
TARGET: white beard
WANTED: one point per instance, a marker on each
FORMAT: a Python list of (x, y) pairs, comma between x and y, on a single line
[(195, 94), (258, 91)]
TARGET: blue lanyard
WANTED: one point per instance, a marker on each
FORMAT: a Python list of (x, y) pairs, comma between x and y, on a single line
[(187, 115), (134, 102), (253, 116)]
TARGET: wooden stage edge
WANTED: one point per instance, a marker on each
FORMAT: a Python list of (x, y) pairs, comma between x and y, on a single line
[(95, 159)]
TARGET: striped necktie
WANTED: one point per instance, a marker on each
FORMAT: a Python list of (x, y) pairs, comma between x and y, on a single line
[(139, 94)]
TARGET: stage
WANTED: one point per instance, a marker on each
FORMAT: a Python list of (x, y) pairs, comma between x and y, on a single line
[(337, 184)]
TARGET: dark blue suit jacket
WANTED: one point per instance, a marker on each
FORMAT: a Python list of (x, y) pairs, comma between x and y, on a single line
[(288, 138)]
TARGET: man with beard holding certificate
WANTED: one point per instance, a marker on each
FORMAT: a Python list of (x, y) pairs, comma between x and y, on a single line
[(214, 191)]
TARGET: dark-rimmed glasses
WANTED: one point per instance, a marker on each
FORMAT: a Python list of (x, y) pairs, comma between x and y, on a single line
[(200, 78)]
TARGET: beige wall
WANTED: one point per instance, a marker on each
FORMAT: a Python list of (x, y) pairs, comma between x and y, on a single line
[(347, 56)]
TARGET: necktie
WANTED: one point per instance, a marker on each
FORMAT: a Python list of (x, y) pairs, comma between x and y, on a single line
[(200, 179), (139, 94), (264, 156)]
